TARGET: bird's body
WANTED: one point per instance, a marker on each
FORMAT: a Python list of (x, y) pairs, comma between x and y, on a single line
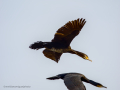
[(61, 42), (73, 81), (59, 50), (56, 47)]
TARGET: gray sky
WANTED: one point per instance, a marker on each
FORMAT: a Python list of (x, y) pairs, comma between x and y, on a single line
[(23, 22)]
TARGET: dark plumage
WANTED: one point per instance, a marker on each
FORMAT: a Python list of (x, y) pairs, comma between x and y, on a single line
[(61, 42), (73, 81)]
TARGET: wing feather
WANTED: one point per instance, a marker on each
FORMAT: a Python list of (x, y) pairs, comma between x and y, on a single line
[(67, 33), (52, 55)]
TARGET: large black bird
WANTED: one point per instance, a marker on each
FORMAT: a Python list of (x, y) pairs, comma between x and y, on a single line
[(61, 42), (73, 81)]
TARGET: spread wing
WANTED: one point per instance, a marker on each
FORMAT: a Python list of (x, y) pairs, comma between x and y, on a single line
[(73, 83), (67, 33), (52, 55)]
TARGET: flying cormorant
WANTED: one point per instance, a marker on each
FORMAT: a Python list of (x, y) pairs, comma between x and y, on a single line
[(61, 42), (73, 81)]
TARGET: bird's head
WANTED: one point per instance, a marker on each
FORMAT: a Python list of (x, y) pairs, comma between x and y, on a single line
[(96, 84), (86, 57)]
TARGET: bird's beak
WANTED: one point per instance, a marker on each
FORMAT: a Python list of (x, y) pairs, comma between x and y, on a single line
[(101, 86), (89, 59), (104, 87)]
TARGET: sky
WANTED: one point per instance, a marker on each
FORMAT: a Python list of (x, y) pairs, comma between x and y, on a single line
[(23, 22)]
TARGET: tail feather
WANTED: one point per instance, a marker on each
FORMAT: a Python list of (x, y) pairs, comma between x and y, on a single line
[(60, 76), (37, 45), (53, 78)]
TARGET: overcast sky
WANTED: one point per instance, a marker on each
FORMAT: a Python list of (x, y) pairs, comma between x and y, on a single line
[(23, 22)]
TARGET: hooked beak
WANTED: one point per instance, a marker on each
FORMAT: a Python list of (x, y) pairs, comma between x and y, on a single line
[(104, 87), (101, 86), (89, 59)]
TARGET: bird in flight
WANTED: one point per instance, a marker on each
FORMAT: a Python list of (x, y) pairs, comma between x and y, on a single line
[(73, 81), (61, 42)]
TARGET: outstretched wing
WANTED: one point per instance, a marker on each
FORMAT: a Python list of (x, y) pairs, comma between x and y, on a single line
[(52, 55), (67, 33)]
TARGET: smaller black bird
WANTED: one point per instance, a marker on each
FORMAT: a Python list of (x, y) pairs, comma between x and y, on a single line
[(73, 81)]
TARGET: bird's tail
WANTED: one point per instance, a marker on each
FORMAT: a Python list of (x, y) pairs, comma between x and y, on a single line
[(53, 78), (37, 45), (60, 76)]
